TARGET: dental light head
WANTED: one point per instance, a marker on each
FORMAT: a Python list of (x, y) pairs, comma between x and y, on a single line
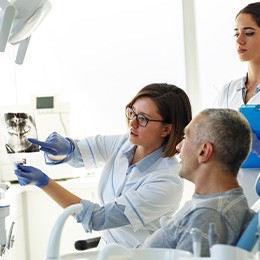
[(18, 20)]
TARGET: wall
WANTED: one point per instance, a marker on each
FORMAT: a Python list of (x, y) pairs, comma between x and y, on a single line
[(94, 52), (97, 55)]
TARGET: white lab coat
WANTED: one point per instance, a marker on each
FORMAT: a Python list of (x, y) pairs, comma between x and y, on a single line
[(147, 192), (231, 95)]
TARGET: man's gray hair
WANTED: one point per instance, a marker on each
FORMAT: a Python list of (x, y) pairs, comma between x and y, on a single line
[(229, 133)]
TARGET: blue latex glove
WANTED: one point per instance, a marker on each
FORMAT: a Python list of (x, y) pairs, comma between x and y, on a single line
[(255, 145), (55, 144), (31, 175)]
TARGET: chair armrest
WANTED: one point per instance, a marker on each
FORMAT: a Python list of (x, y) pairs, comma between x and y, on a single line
[(86, 243)]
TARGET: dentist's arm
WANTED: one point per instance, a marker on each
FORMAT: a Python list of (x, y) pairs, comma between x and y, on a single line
[(60, 195), (28, 175)]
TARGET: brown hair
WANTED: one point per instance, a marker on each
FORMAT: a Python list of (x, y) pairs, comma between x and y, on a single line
[(253, 10), (174, 107)]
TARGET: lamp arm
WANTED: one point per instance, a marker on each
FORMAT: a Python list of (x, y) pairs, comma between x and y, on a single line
[(8, 17), (23, 45)]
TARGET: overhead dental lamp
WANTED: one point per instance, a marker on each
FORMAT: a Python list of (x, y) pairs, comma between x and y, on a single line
[(18, 19)]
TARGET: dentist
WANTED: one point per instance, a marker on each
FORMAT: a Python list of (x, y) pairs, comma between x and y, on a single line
[(140, 179)]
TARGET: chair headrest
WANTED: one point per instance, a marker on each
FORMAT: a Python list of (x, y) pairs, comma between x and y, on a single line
[(257, 185)]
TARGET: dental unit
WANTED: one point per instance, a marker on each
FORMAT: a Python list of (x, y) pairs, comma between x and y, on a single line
[(6, 242), (242, 251)]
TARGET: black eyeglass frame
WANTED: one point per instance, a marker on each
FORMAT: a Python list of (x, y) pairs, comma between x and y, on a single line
[(137, 117)]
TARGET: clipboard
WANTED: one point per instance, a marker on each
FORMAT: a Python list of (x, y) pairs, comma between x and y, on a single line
[(252, 114)]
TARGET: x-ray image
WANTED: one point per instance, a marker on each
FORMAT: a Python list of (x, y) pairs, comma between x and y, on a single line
[(20, 126)]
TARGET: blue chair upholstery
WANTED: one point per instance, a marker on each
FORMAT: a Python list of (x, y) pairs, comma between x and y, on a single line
[(249, 237), (257, 185)]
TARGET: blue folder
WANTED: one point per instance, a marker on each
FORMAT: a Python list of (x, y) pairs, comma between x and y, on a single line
[(252, 114)]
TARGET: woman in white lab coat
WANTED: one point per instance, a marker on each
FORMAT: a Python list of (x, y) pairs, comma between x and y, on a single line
[(246, 90), (140, 179)]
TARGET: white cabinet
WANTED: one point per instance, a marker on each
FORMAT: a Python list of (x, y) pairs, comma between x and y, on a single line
[(41, 212), (15, 197)]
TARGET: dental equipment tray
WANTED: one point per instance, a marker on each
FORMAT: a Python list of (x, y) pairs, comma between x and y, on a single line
[(252, 114)]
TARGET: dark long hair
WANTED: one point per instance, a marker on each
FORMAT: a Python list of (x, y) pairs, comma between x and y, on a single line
[(253, 10)]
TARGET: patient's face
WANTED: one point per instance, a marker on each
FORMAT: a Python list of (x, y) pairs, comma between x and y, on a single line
[(19, 127)]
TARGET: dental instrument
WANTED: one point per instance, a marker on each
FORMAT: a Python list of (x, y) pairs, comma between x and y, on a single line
[(10, 239), (212, 235), (196, 241)]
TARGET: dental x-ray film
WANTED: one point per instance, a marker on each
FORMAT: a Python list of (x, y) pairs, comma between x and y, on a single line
[(17, 128)]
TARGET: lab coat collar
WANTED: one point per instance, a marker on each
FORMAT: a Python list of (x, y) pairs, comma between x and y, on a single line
[(242, 83), (147, 161)]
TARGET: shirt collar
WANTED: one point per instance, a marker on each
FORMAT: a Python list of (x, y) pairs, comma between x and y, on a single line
[(242, 85), (147, 161), (150, 159)]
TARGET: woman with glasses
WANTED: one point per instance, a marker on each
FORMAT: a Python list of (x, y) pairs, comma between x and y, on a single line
[(139, 182)]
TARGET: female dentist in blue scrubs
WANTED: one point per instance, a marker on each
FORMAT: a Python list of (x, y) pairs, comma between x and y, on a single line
[(246, 90), (140, 179)]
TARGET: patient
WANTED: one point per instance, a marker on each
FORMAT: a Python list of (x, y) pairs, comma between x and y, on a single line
[(215, 144)]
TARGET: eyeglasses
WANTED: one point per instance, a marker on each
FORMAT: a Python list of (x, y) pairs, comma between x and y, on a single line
[(141, 119)]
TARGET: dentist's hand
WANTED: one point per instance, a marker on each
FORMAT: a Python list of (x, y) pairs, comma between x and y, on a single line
[(55, 145), (31, 175), (255, 145)]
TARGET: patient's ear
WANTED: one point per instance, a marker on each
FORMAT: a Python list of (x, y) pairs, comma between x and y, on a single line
[(205, 152)]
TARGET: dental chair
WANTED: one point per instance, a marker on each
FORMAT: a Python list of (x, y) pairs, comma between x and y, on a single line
[(249, 237), (247, 241)]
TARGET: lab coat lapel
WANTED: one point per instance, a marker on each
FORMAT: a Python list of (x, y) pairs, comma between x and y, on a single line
[(119, 174), (110, 185)]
